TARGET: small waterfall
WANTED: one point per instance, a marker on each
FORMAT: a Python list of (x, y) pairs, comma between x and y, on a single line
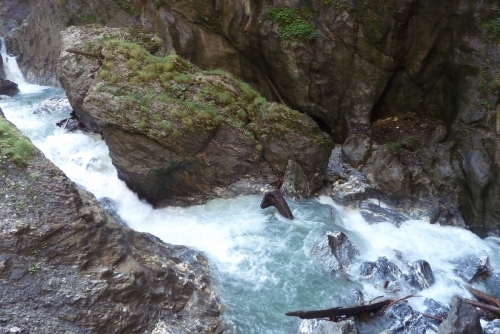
[(10, 66)]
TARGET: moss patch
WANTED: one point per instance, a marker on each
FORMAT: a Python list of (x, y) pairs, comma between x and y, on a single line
[(170, 97), (14, 145), (294, 24)]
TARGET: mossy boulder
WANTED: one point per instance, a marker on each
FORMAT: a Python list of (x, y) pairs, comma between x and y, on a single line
[(178, 134)]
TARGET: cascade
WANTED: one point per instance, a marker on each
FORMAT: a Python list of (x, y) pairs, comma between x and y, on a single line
[(11, 68), (261, 262)]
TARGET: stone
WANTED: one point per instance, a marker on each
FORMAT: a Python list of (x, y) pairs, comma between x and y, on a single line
[(327, 327), (420, 276), (492, 327), (185, 149), (8, 87), (356, 149), (381, 270), (295, 182), (374, 213), (462, 319), (470, 269), (436, 309), (405, 319), (54, 105), (69, 267), (335, 251)]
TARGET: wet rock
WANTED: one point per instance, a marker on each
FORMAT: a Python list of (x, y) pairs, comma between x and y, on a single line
[(492, 327), (350, 191), (374, 213), (462, 319), (435, 309), (405, 320), (111, 208), (185, 158), (8, 87), (420, 276), (69, 267), (54, 105), (335, 167), (381, 270), (327, 327), (335, 251), (471, 269), (492, 284)]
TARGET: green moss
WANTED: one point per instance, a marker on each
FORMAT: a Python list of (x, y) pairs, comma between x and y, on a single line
[(126, 7), (294, 24), (13, 144), (338, 4), (493, 27)]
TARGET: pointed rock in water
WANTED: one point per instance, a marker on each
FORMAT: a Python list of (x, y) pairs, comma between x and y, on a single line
[(420, 275), (471, 269), (8, 87), (406, 320), (335, 251), (381, 270)]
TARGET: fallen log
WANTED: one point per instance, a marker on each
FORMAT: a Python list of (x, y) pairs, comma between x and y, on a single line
[(484, 297), (484, 306), (98, 55), (341, 311)]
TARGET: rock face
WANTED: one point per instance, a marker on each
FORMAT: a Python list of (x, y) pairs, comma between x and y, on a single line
[(66, 266), (462, 318), (345, 63), (175, 133)]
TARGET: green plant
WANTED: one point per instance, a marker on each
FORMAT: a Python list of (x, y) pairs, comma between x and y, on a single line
[(338, 4), (34, 268), (493, 27), (13, 144), (292, 23), (126, 7)]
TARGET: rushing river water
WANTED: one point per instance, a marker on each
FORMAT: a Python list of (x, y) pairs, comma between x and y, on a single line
[(261, 262)]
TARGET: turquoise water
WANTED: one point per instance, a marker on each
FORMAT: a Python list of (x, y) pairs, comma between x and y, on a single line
[(261, 263)]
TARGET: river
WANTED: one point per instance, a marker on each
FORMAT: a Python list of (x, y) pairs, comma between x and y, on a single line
[(261, 262)]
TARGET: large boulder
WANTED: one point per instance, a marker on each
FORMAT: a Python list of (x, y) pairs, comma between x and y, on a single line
[(175, 133), (66, 266), (462, 319), (8, 87)]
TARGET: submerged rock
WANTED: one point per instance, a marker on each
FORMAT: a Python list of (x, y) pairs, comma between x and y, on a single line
[(67, 266), (374, 213), (54, 105), (470, 269)]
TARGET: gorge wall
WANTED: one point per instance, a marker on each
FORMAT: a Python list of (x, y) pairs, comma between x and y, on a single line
[(347, 64)]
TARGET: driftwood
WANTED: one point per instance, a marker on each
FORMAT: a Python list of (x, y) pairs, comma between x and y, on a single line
[(484, 306), (98, 55), (341, 311), (276, 199), (484, 297)]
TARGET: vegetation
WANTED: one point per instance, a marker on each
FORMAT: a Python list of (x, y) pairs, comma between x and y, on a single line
[(13, 144), (170, 97), (493, 27), (338, 4), (126, 7), (293, 23)]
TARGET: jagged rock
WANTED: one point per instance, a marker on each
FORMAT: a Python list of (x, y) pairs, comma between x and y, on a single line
[(335, 167), (374, 213), (420, 276), (54, 105), (201, 131), (470, 269), (381, 270), (69, 267), (405, 320), (436, 309), (356, 149), (462, 319), (111, 208), (8, 87), (327, 327), (295, 182), (335, 251)]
